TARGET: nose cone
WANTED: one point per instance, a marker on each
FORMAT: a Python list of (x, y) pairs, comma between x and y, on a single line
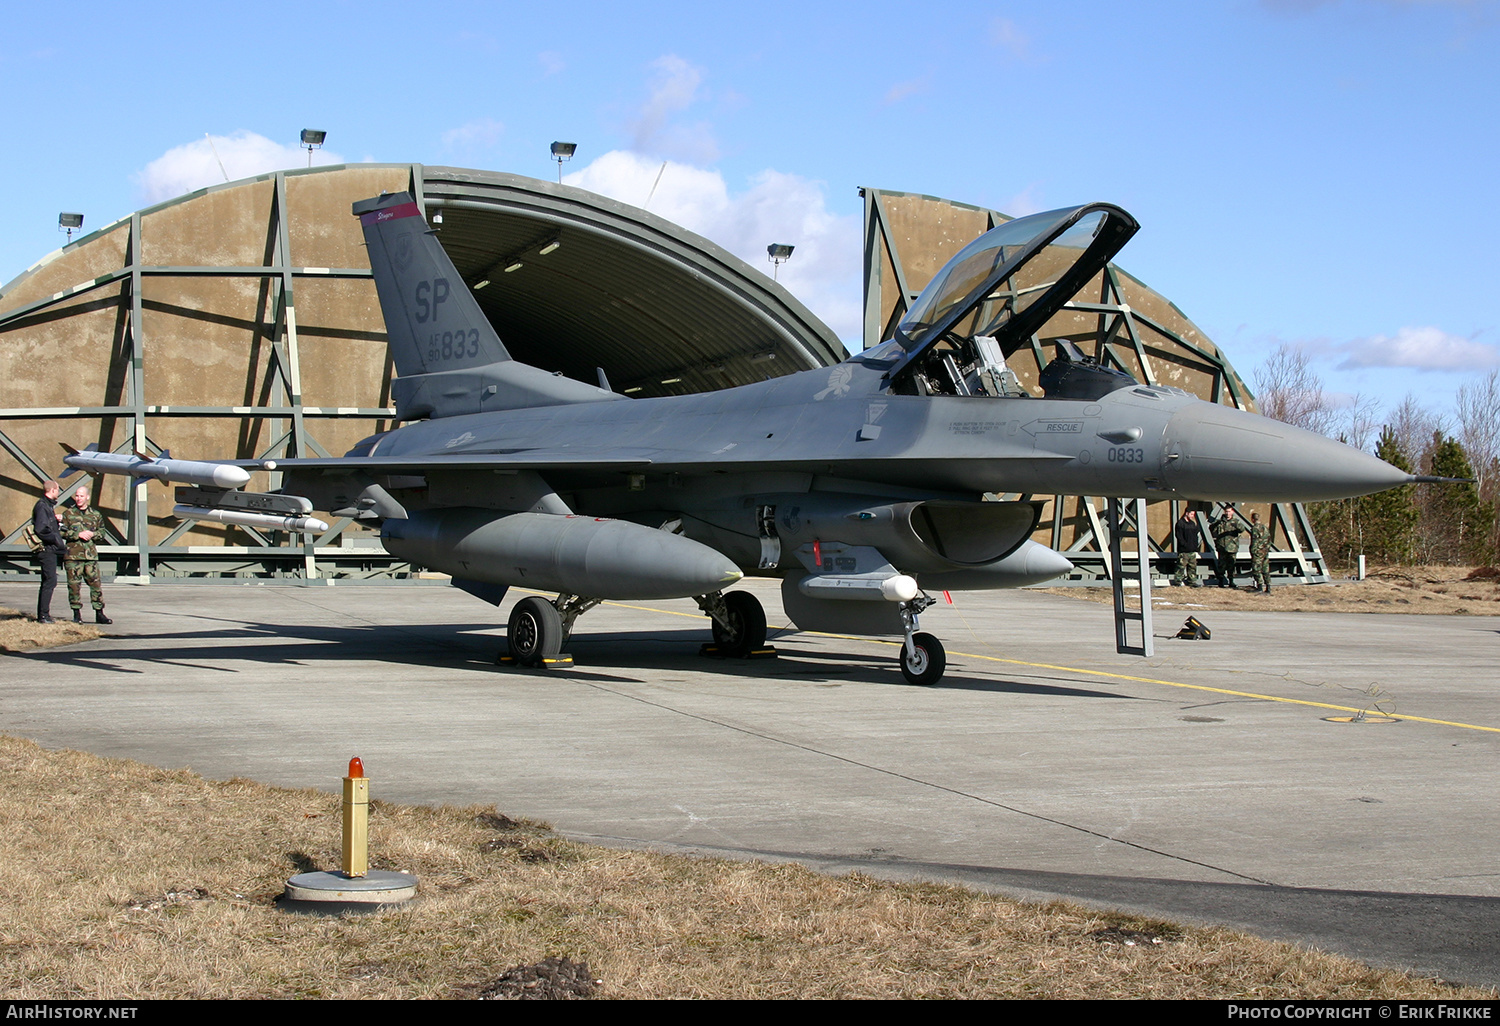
[(1034, 563), (1214, 452)]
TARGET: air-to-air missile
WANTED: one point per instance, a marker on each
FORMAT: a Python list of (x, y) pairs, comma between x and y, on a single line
[(162, 468), (242, 518), (862, 486)]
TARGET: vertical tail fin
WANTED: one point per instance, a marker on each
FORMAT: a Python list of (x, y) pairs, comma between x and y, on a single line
[(449, 360), (432, 319)]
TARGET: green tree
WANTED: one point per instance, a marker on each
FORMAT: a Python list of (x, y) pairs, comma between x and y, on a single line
[(1456, 522), (1386, 522)]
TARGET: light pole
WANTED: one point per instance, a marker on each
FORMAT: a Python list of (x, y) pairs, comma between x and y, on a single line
[(778, 253), (562, 151)]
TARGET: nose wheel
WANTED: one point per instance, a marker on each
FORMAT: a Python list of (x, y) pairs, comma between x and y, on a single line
[(923, 660), (922, 657)]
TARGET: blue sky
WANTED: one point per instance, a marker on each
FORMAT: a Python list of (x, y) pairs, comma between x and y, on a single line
[(1305, 171)]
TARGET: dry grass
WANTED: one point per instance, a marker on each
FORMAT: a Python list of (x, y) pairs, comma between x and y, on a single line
[(1424, 589), (19, 631), (128, 882)]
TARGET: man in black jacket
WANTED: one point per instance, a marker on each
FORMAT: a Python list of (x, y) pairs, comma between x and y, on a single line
[(44, 517)]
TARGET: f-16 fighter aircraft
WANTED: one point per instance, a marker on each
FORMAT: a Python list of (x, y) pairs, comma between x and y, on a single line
[(861, 486)]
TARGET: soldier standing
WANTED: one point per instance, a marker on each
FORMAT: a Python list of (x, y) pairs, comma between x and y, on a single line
[(80, 525), (1226, 532), (1260, 554), (44, 517), (1189, 538)]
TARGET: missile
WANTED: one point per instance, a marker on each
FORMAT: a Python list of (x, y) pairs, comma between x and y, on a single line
[(243, 518), (211, 475), (589, 556)]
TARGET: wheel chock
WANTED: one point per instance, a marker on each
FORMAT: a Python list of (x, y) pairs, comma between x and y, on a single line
[(557, 662), (710, 649)]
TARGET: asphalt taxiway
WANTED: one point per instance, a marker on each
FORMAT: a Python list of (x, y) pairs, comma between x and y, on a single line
[(1219, 781)]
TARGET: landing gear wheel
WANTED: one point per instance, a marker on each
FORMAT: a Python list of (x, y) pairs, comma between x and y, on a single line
[(747, 625), (535, 631), (926, 666)]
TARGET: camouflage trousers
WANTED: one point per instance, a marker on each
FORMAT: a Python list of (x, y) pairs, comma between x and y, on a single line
[(1187, 568), (1260, 568), (1224, 567), (84, 572)]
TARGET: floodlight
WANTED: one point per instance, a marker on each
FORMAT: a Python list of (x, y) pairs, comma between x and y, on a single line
[(778, 253), (549, 247), (312, 139), (67, 222)]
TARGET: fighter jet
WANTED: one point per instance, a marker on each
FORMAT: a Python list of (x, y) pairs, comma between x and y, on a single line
[(862, 487)]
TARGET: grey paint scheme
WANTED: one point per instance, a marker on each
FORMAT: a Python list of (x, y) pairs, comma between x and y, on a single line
[(831, 453)]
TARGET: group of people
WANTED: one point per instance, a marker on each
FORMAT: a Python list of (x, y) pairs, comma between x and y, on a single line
[(68, 534), (1226, 530)]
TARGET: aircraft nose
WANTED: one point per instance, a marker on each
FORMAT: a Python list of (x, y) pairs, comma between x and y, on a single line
[(1214, 452)]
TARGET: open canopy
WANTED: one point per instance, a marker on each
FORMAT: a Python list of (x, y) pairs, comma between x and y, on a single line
[(1007, 283)]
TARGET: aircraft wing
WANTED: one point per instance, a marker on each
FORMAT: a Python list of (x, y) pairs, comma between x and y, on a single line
[(522, 460)]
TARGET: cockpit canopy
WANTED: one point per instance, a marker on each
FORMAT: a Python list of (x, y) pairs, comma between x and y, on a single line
[(999, 290)]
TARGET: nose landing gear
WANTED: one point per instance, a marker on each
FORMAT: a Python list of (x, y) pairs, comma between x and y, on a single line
[(923, 659)]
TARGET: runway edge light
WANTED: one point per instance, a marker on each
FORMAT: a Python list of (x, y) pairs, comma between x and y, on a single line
[(355, 886)]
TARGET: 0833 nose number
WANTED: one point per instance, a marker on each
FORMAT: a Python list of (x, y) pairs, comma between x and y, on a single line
[(1127, 455)]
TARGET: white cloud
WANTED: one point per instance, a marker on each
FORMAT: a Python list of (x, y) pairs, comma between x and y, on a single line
[(912, 86), (202, 163), (824, 271), (1423, 349), (480, 134), (551, 61), (1005, 34), (1022, 203), (674, 88)]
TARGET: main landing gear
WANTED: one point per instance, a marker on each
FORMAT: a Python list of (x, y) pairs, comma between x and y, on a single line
[(538, 629), (922, 657), (739, 622)]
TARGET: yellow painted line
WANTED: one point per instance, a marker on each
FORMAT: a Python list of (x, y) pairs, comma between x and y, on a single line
[(1105, 673)]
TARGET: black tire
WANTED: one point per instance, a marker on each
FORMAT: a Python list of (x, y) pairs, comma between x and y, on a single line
[(535, 631), (747, 625), (930, 661)]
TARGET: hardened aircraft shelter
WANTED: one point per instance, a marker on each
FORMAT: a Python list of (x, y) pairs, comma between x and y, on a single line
[(241, 321)]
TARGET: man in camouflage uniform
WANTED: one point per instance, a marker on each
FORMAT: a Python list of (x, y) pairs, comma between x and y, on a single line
[(1226, 532), (1260, 554), (80, 524), (1189, 537)]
